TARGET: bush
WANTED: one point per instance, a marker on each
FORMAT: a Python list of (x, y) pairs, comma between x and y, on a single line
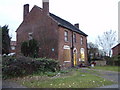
[(30, 48), (21, 66), (49, 64), (114, 61)]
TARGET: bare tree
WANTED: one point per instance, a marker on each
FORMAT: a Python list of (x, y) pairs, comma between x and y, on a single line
[(92, 50), (106, 41)]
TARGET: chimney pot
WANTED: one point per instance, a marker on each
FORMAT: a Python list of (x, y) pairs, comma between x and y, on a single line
[(76, 25), (26, 10)]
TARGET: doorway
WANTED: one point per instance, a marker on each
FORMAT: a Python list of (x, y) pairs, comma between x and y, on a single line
[(75, 56)]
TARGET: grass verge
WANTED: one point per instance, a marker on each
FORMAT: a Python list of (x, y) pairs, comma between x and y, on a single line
[(75, 80), (109, 68)]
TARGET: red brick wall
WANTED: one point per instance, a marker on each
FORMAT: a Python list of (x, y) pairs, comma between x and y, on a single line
[(77, 45), (45, 31), (49, 36), (116, 50), (61, 45)]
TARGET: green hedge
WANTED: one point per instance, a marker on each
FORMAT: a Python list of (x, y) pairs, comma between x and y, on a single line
[(14, 67)]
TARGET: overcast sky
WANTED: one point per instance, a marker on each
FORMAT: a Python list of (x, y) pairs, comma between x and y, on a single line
[(93, 16)]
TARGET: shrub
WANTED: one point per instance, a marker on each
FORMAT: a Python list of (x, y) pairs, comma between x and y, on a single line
[(115, 60), (14, 67), (30, 48), (24, 48), (49, 64), (33, 48)]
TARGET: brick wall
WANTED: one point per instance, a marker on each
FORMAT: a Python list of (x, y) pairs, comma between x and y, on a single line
[(43, 29), (50, 37), (116, 50), (77, 45)]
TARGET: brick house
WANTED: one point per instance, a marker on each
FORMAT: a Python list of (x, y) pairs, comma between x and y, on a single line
[(58, 39), (116, 50)]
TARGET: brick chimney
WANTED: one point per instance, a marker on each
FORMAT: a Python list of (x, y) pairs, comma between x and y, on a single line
[(45, 6), (25, 11), (76, 25)]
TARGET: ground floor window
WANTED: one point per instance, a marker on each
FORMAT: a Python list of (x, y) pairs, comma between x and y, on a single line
[(82, 54), (66, 53)]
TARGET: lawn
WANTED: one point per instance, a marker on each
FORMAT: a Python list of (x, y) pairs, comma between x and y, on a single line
[(72, 79), (109, 68)]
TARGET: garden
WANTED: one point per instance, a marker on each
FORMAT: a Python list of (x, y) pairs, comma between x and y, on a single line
[(45, 73)]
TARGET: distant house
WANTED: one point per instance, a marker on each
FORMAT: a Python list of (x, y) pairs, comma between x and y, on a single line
[(58, 38), (116, 50), (13, 46)]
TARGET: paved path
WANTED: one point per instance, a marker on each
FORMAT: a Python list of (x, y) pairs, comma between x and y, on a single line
[(110, 86), (109, 75)]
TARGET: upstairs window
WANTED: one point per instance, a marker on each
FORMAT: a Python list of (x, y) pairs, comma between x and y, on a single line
[(74, 38), (66, 36), (81, 40), (30, 36)]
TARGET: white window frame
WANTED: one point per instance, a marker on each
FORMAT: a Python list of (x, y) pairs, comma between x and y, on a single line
[(66, 36), (81, 40)]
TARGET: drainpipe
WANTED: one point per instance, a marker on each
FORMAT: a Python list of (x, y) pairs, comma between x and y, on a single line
[(72, 47)]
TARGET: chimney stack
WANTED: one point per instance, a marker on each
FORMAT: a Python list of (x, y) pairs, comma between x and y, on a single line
[(76, 25), (45, 6), (26, 10)]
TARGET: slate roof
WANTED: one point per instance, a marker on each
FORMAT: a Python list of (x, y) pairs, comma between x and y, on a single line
[(66, 24)]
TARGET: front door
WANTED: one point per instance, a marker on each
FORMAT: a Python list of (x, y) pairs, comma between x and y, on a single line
[(75, 57)]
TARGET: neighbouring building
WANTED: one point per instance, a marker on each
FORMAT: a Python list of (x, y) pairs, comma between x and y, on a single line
[(58, 38), (13, 46), (116, 50)]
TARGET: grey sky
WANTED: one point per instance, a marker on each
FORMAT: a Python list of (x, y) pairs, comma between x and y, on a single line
[(93, 16)]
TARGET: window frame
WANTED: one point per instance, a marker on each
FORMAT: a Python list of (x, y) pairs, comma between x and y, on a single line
[(74, 37), (82, 52), (30, 35), (81, 40), (66, 36)]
